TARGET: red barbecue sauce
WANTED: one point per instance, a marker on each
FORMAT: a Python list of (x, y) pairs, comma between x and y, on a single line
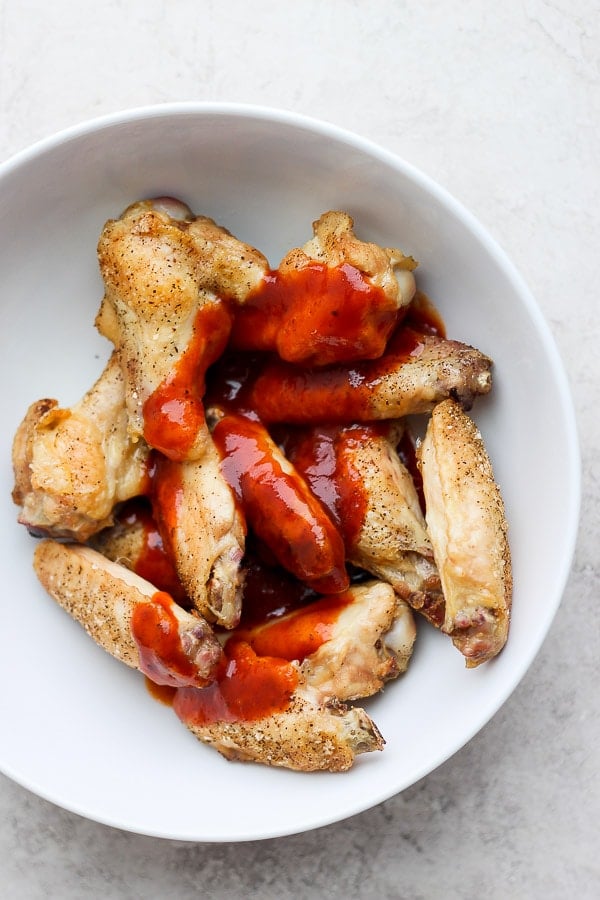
[(155, 630), (257, 678), (279, 507), (339, 393), (323, 456), (316, 315), (174, 412), (153, 562)]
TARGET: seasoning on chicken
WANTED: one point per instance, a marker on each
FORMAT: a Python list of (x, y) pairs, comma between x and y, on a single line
[(357, 474), (416, 372), (337, 299), (204, 533), (281, 701), (128, 617), (167, 281), (468, 530), (72, 466)]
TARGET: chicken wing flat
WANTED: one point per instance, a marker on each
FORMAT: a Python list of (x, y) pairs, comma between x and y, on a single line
[(72, 466), (126, 615), (281, 701), (417, 371), (357, 473), (204, 533), (166, 280), (305, 736), (336, 299), (468, 530)]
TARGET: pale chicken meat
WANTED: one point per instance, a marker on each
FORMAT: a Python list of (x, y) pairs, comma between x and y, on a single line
[(417, 371), (72, 466), (127, 617), (468, 529), (167, 282), (369, 636)]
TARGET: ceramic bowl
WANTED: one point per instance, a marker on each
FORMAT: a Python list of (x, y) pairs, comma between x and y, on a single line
[(80, 729)]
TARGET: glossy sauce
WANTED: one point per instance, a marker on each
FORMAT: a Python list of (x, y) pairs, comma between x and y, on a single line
[(174, 412), (299, 633), (155, 630), (316, 315), (167, 497), (284, 392), (324, 456), (249, 688), (278, 505)]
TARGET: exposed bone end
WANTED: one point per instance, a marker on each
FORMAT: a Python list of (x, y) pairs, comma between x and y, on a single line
[(479, 634)]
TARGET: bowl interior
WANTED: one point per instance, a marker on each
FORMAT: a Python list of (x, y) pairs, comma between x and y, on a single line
[(80, 729)]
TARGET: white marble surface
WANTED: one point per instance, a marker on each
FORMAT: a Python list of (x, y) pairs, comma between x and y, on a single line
[(501, 104)]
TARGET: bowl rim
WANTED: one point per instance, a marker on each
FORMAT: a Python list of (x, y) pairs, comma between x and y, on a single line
[(572, 464)]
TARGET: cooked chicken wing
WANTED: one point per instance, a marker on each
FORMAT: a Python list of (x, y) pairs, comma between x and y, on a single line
[(336, 299), (165, 283), (417, 371), (335, 243), (305, 663), (305, 736), (357, 473), (73, 465), (127, 616), (468, 530), (204, 533)]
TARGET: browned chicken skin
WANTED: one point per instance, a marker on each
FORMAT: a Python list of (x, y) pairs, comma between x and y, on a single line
[(104, 596), (165, 279), (73, 465), (468, 530), (417, 371), (370, 643)]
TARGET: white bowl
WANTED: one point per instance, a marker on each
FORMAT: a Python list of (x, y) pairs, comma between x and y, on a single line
[(80, 729)]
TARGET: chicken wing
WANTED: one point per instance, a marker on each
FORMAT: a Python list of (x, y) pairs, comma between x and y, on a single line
[(166, 280), (204, 533), (126, 615), (417, 371), (357, 473), (72, 466), (337, 299), (468, 530), (305, 736), (358, 641)]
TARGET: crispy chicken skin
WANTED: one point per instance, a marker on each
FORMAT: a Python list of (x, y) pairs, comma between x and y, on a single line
[(204, 531), (397, 385), (358, 475), (103, 597), (468, 530), (392, 542), (335, 243), (72, 466), (306, 737), (165, 279)]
